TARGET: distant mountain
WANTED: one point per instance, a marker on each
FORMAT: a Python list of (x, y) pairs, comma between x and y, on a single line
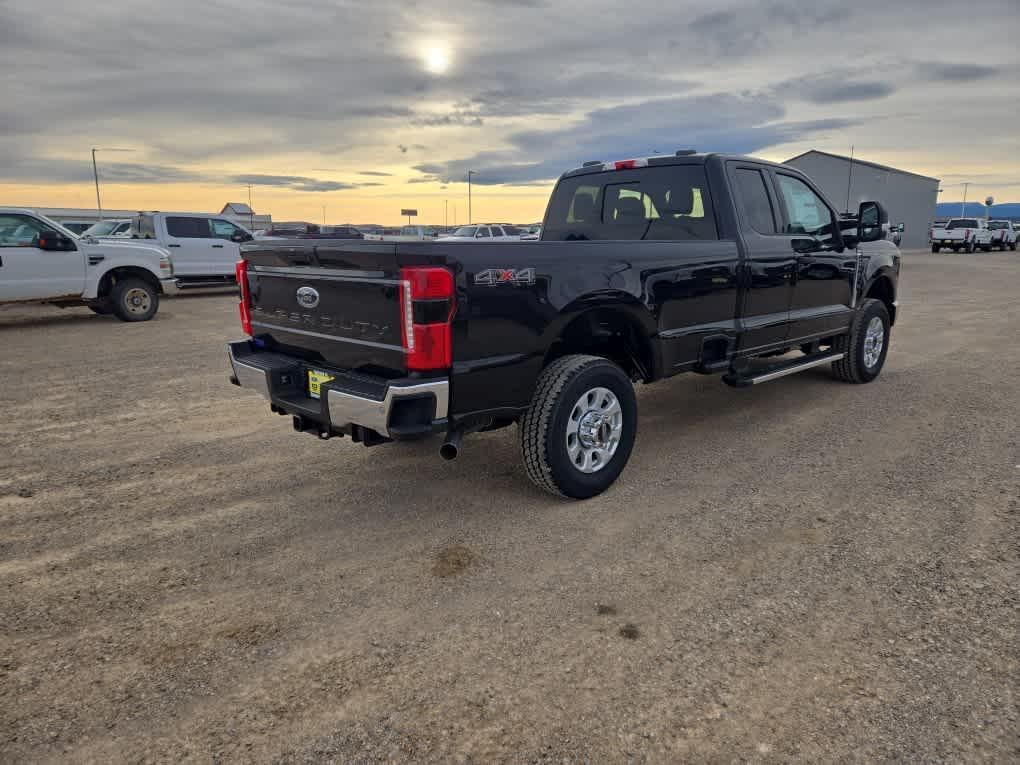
[(976, 209)]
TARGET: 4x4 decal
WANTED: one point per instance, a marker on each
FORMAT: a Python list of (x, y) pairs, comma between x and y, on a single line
[(493, 277)]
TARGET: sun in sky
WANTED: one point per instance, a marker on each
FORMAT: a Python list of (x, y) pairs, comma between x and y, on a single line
[(436, 57)]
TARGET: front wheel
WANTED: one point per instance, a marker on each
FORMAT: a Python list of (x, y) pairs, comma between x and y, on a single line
[(577, 435), (134, 300), (865, 346)]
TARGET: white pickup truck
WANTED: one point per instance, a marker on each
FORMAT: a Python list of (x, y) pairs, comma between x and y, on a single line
[(43, 262), (1004, 233), (205, 248), (967, 234)]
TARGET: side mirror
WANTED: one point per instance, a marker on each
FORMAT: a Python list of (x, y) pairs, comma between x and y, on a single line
[(241, 237), (54, 242), (872, 222)]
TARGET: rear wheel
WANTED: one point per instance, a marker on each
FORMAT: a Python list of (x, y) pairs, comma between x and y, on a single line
[(134, 300), (1012, 246), (935, 248), (866, 346), (578, 433), (102, 307), (969, 248)]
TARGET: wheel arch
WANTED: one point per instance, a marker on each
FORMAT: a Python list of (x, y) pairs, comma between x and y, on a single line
[(613, 325), (883, 287), (118, 273)]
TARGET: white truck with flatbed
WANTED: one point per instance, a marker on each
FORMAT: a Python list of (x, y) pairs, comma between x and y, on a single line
[(43, 262), (1004, 234), (967, 234)]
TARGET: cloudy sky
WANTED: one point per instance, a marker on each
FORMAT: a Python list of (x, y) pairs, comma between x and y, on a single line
[(367, 107)]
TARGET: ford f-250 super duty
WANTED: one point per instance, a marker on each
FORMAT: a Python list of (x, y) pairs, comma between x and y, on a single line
[(43, 262), (645, 268)]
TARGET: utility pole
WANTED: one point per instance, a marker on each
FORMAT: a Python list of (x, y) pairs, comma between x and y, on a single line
[(446, 213), (963, 204), (470, 173), (95, 173), (324, 215), (251, 211)]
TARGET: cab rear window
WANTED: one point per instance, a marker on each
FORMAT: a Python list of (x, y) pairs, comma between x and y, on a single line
[(655, 203)]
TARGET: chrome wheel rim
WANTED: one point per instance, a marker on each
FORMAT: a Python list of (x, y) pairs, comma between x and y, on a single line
[(874, 340), (594, 430), (137, 300)]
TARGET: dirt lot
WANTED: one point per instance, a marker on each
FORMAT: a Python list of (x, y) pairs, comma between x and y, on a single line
[(802, 571)]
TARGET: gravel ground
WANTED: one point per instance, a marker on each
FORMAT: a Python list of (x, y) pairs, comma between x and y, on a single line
[(805, 570)]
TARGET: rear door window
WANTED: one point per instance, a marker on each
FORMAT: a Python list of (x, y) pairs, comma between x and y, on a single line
[(754, 200), (188, 228), (654, 203)]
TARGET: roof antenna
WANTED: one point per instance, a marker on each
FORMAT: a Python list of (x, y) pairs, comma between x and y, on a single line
[(849, 179)]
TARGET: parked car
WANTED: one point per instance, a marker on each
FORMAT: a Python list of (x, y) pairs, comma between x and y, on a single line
[(76, 227), (43, 262), (646, 268), (205, 248), (967, 234), (1004, 233), (531, 233), (489, 232), (108, 228)]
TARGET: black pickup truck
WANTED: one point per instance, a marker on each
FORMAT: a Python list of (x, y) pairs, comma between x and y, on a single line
[(645, 268)]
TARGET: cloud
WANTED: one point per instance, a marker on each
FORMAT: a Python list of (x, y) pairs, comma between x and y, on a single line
[(720, 123), (949, 72), (534, 87), (462, 117), (834, 88), (374, 172)]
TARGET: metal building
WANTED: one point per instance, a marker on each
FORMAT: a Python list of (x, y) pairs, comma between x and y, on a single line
[(910, 198)]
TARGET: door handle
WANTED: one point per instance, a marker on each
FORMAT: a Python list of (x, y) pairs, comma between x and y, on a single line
[(217, 246), (173, 245)]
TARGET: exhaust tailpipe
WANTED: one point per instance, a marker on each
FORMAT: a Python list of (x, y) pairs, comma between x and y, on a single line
[(451, 446)]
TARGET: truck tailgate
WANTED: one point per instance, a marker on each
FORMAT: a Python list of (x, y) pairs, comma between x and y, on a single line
[(338, 303)]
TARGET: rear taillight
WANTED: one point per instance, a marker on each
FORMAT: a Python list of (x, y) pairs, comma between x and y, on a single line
[(426, 311), (244, 306), (966, 235)]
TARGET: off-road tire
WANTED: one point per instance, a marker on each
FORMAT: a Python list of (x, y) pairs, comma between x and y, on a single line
[(543, 427), (852, 367), (122, 293)]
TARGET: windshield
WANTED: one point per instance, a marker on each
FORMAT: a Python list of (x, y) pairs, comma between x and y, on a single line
[(102, 228), (962, 223), (465, 231)]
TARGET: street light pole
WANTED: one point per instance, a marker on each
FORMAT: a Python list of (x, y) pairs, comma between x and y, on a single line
[(95, 174), (963, 204), (470, 173)]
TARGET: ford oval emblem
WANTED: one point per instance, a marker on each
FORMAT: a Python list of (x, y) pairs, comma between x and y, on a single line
[(307, 297)]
